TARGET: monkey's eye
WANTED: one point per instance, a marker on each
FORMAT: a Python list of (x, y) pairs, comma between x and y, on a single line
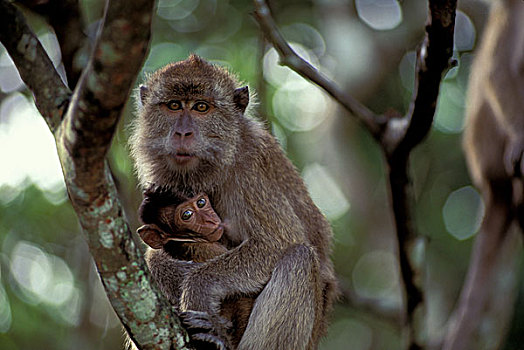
[(201, 202), (201, 107), (174, 105), (187, 215)]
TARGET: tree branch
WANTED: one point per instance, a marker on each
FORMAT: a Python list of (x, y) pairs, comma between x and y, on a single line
[(83, 141), (83, 138), (397, 135), (288, 57), (401, 136), (65, 18), (433, 61), (34, 65)]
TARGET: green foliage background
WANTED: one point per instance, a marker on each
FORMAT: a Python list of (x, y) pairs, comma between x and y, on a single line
[(50, 294)]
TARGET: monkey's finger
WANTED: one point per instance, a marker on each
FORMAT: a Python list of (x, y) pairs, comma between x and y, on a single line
[(196, 320), (202, 320)]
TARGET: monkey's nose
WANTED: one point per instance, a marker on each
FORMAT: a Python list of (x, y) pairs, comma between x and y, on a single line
[(183, 134), (183, 137)]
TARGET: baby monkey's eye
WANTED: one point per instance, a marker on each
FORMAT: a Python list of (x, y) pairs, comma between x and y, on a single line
[(201, 107), (174, 105), (201, 202), (187, 215)]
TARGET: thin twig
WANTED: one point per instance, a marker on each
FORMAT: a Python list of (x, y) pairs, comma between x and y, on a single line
[(397, 135), (288, 57)]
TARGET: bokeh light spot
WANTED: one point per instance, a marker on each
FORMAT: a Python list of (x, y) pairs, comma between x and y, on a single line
[(375, 276), (300, 106), (10, 79), (379, 14), (449, 115), (465, 33), (162, 54), (407, 70), (351, 46), (325, 192), (41, 276), (463, 212), (176, 9), (36, 159), (5, 311), (278, 75)]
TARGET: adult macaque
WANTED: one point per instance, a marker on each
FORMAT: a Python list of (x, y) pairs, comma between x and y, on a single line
[(494, 145), (189, 229), (192, 135)]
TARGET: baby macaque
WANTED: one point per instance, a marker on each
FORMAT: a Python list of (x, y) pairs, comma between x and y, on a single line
[(189, 229), (192, 221)]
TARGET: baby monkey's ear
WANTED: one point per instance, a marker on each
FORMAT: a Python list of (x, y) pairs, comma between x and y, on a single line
[(151, 235), (241, 98)]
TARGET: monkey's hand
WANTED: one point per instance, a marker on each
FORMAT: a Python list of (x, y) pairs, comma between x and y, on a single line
[(206, 331), (514, 158)]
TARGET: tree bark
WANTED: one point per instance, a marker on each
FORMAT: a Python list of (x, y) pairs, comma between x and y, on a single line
[(83, 123), (398, 135)]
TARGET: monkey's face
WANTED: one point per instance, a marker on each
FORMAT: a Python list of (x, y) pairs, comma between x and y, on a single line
[(197, 220), (189, 122), (193, 220)]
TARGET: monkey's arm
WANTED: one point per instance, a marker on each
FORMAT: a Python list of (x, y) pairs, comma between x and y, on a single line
[(271, 225), (237, 271), (197, 252), (289, 295), (168, 272), (203, 251)]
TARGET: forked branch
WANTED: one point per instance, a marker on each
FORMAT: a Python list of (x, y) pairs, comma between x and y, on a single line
[(397, 136)]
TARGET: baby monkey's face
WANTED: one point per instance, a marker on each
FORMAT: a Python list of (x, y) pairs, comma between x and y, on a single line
[(193, 220), (196, 215)]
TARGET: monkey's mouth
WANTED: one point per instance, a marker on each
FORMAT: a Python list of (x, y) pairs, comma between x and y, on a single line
[(183, 157), (216, 234)]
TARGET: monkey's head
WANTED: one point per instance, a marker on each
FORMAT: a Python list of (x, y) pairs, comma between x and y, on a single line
[(166, 219), (197, 215), (188, 123)]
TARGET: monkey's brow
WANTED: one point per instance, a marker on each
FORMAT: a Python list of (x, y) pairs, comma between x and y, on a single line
[(188, 89)]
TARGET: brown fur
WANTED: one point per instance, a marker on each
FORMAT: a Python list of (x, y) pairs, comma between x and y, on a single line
[(494, 145), (161, 215), (280, 241)]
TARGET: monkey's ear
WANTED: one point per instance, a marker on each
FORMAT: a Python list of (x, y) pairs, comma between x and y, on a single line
[(144, 91), (151, 235), (241, 98)]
